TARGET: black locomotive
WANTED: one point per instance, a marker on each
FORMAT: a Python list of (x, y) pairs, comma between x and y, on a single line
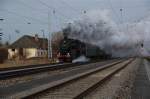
[(70, 49)]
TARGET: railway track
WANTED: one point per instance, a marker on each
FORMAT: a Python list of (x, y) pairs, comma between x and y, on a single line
[(33, 69), (32, 89), (29, 77), (7, 73), (114, 70), (78, 89), (15, 72)]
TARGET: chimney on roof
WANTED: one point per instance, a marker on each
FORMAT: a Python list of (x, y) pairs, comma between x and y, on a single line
[(36, 37)]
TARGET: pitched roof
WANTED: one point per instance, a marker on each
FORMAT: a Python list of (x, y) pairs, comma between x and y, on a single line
[(27, 41)]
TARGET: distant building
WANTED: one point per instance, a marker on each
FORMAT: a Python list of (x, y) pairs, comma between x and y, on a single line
[(28, 47)]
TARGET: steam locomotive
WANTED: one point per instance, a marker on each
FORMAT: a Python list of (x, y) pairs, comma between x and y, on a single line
[(70, 49)]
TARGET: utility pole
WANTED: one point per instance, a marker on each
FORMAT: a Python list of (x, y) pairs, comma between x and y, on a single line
[(49, 38)]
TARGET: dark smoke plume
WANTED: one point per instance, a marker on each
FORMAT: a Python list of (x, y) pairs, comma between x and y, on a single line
[(99, 29)]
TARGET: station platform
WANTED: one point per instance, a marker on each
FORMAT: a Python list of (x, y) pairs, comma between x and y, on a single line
[(141, 86)]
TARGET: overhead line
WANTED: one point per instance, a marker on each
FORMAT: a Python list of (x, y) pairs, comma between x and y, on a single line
[(118, 18), (28, 6), (27, 17), (52, 8), (75, 10), (111, 6), (45, 13)]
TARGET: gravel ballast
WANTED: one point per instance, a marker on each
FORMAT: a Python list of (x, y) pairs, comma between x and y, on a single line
[(72, 89), (119, 86), (27, 78)]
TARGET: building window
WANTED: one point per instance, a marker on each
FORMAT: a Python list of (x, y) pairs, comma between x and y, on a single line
[(13, 50)]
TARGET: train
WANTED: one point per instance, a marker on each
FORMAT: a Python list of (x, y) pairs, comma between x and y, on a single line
[(70, 49)]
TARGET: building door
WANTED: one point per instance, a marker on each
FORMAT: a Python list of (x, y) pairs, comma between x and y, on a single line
[(21, 52)]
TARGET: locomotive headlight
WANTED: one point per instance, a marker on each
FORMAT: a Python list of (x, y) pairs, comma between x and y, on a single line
[(68, 54), (58, 55)]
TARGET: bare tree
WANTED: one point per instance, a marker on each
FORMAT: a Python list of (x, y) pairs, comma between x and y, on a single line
[(6, 44), (56, 38)]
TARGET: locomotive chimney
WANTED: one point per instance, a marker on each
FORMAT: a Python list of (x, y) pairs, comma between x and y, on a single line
[(65, 36)]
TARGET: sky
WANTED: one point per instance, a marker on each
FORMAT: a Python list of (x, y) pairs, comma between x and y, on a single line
[(29, 17)]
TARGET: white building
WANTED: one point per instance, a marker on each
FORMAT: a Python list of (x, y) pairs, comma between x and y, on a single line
[(28, 47)]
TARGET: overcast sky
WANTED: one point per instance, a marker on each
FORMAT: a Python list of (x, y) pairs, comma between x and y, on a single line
[(31, 16)]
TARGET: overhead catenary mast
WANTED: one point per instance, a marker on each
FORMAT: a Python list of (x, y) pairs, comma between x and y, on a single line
[(85, 16), (49, 38)]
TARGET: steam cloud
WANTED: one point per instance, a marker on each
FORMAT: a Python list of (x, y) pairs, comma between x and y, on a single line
[(81, 59), (98, 28)]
